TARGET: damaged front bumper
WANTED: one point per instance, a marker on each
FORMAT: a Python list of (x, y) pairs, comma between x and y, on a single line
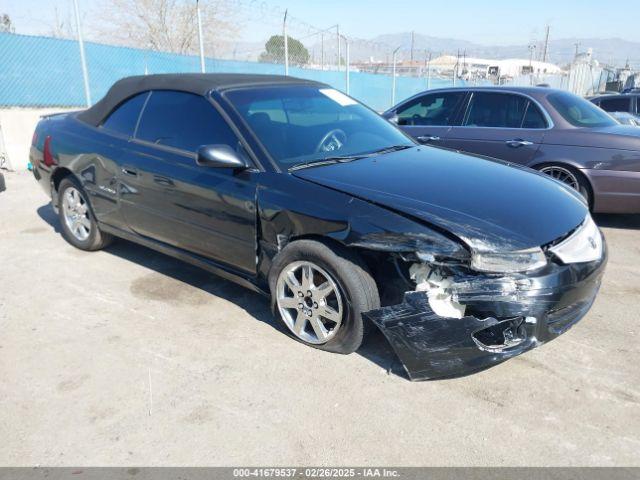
[(505, 316)]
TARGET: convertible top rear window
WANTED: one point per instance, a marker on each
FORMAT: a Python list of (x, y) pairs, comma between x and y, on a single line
[(124, 118)]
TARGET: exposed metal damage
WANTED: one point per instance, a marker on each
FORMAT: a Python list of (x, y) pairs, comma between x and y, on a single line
[(459, 321), (438, 289), (451, 306)]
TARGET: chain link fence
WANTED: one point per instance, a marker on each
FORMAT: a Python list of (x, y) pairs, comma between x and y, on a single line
[(79, 58)]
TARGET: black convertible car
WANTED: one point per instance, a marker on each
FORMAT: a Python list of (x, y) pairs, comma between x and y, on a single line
[(299, 192)]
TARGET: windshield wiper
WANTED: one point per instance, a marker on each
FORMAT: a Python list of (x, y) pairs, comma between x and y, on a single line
[(392, 148), (328, 161), (349, 158)]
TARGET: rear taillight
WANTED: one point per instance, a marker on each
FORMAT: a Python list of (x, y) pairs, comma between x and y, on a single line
[(46, 152)]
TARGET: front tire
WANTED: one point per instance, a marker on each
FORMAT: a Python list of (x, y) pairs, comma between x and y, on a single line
[(79, 226), (320, 292)]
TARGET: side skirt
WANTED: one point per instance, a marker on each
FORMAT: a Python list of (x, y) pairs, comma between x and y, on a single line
[(187, 257)]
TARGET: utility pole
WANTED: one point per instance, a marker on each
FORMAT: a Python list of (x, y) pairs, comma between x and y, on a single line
[(200, 36), (464, 61), (83, 60), (322, 51), (545, 50), (423, 71), (429, 72), (532, 48), (338, 40), (455, 68), (577, 44), (346, 67), (393, 77), (286, 44), (413, 39)]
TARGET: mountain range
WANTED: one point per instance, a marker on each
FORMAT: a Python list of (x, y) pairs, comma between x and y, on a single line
[(611, 51), (614, 51)]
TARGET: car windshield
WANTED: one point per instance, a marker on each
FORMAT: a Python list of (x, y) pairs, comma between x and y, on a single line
[(303, 125), (579, 112)]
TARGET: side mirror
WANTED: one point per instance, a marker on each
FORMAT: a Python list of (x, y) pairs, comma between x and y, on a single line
[(219, 156)]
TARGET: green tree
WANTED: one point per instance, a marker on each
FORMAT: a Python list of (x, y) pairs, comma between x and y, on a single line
[(274, 51)]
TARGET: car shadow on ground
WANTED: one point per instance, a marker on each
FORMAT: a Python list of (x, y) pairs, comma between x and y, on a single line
[(618, 220), (377, 350), (47, 214)]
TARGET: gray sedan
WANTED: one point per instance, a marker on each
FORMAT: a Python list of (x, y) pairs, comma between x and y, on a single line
[(552, 131)]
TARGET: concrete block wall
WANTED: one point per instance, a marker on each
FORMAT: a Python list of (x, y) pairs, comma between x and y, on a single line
[(16, 127)]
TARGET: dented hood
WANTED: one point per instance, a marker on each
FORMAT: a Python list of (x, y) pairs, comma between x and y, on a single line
[(488, 204)]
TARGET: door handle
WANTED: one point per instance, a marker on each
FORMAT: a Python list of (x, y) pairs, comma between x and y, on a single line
[(518, 142), (428, 138), (132, 172)]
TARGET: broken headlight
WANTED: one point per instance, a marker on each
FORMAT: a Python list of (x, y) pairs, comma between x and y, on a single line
[(509, 262)]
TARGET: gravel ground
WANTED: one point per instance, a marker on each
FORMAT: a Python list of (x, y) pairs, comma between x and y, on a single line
[(128, 357)]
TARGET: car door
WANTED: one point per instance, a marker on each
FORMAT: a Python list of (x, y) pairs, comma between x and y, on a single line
[(428, 118), (502, 125), (166, 196), (108, 147)]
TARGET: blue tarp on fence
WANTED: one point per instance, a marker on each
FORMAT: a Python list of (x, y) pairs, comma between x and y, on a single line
[(46, 72)]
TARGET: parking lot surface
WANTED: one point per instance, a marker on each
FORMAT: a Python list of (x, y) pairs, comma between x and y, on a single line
[(128, 357)]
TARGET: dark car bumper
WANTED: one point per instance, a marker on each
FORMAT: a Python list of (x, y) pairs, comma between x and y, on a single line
[(525, 313)]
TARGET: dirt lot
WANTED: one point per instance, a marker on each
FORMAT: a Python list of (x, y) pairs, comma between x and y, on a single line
[(128, 357)]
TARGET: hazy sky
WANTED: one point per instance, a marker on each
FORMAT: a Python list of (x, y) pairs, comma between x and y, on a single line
[(500, 22)]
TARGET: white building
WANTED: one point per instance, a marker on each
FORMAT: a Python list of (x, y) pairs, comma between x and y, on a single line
[(484, 67)]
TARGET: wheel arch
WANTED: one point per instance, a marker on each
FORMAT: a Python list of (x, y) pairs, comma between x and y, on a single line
[(380, 264), (573, 167), (57, 176), (330, 242)]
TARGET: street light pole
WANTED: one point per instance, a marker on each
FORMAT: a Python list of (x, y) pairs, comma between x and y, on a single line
[(393, 75), (338, 40), (429, 72), (346, 69), (200, 36), (286, 44), (83, 60)]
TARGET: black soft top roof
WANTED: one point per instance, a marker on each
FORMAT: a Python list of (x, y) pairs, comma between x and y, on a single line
[(198, 83)]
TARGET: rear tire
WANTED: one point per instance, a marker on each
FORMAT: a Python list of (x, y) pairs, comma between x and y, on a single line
[(79, 226), (325, 310), (571, 177)]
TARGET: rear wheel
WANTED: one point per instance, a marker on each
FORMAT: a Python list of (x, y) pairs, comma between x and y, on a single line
[(79, 227), (570, 177), (320, 292)]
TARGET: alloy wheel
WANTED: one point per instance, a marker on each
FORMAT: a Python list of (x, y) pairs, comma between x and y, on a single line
[(76, 214), (563, 175), (309, 302)]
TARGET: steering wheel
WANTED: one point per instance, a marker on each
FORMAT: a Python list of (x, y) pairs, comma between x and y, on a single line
[(333, 140)]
